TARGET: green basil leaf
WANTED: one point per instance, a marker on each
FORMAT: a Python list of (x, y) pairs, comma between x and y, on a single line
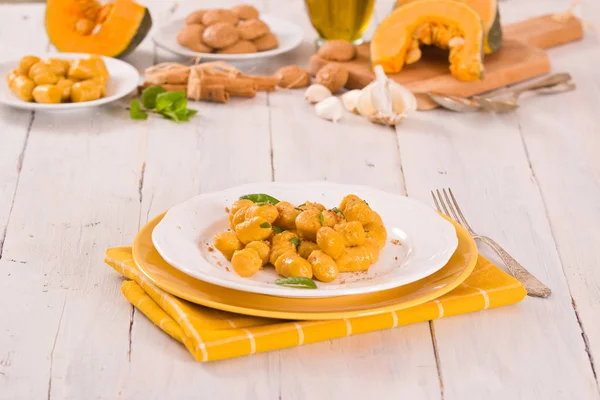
[(135, 111), (168, 114), (295, 241), (149, 95), (337, 210), (179, 105), (277, 229), (260, 198), (321, 219), (265, 225), (299, 283), (190, 112), (166, 100)]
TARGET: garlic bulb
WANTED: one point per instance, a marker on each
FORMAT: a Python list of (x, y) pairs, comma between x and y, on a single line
[(317, 92), (350, 100), (384, 101), (330, 109)]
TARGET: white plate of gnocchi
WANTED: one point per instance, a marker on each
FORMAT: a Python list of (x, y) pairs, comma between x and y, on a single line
[(121, 80), (305, 240), (287, 36)]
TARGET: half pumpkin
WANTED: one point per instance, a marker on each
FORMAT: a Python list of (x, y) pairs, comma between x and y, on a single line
[(86, 26), (490, 16), (447, 24)]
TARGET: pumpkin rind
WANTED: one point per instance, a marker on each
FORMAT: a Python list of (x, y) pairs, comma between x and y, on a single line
[(493, 38), (119, 29), (490, 16), (443, 23)]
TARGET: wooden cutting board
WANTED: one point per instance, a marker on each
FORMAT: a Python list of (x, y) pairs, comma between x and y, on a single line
[(521, 57)]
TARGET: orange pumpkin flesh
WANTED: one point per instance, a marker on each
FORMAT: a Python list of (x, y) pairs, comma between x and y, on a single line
[(400, 31), (118, 31), (490, 16)]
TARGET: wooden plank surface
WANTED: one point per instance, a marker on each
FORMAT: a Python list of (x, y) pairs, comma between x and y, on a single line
[(519, 59), (213, 152), (88, 180)]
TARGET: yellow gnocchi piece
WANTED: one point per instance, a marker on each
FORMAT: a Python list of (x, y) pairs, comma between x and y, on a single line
[(331, 218), (308, 223), (49, 94), (12, 75), (239, 216), (376, 232), (347, 200), (359, 211), (246, 262), (227, 243), (239, 204), (57, 66), (42, 74), (282, 243), (87, 68), (372, 247), (25, 63), (331, 242), (291, 265), (287, 215), (65, 86), (267, 211), (306, 247), (352, 232), (355, 259), (262, 248), (323, 266), (253, 229), (86, 91), (23, 87)]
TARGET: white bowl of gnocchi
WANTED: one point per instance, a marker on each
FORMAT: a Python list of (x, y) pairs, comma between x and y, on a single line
[(305, 240)]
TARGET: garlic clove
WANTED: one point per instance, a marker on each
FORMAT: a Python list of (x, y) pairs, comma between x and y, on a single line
[(330, 109), (350, 100), (316, 93), (364, 105), (403, 100), (385, 101), (380, 92)]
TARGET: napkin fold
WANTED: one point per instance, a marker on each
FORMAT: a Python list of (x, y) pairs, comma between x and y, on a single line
[(211, 334)]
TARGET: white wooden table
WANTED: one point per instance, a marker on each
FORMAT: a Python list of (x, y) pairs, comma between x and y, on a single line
[(72, 185)]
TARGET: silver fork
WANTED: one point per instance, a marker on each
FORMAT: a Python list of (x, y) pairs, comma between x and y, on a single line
[(448, 205)]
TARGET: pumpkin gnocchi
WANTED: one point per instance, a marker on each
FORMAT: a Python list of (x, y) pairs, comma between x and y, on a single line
[(303, 241), (55, 80)]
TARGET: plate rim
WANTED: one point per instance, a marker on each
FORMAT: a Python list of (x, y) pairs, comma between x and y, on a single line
[(73, 106), (294, 293), (232, 57), (468, 268)]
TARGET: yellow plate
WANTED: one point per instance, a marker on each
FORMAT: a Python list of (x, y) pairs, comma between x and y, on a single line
[(196, 291)]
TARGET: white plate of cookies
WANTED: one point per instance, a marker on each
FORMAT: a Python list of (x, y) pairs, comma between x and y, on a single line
[(237, 33)]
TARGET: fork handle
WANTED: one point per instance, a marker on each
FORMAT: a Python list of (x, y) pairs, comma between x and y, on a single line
[(533, 286), (552, 80)]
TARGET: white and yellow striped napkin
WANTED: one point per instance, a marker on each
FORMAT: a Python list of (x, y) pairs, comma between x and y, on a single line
[(214, 335)]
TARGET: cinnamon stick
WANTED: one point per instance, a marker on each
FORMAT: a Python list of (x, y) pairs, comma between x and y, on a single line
[(239, 87), (263, 83), (168, 87), (214, 93)]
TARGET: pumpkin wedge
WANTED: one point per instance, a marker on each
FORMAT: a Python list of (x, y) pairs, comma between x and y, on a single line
[(447, 24), (490, 16), (86, 26)]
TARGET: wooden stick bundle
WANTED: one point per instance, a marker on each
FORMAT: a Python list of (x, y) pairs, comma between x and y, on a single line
[(214, 81)]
